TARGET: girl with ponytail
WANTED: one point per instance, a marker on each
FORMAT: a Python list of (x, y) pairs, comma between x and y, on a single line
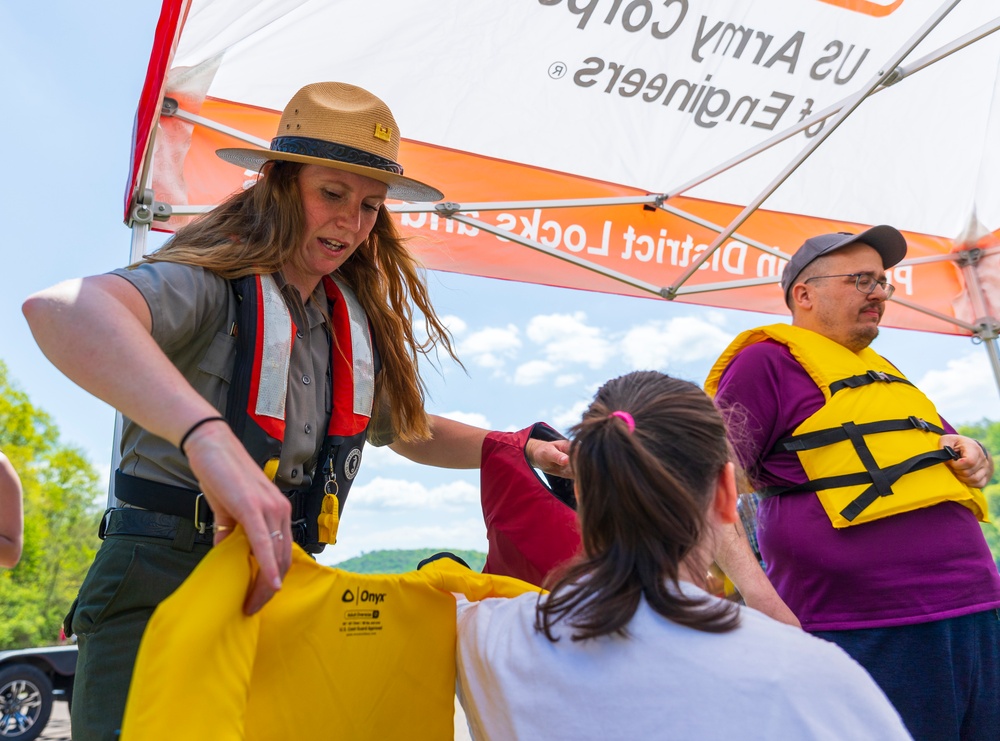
[(628, 643)]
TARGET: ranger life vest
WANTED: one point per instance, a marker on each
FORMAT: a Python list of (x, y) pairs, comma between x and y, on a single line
[(255, 408), (872, 449)]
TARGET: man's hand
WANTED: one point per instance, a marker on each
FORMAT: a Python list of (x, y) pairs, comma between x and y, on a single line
[(975, 467), (550, 457)]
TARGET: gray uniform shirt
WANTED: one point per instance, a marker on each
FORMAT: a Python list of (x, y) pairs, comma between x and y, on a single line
[(193, 311)]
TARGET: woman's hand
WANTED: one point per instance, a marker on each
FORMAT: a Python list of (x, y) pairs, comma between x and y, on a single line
[(238, 492), (550, 457)]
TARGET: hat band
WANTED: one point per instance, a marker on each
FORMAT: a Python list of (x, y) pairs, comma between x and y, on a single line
[(332, 151)]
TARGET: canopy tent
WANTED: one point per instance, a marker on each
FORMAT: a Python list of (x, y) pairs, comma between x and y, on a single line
[(624, 146)]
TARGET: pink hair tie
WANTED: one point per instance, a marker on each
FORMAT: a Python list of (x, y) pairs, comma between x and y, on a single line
[(627, 419)]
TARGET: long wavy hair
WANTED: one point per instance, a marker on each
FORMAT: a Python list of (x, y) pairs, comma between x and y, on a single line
[(642, 503), (259, 230)]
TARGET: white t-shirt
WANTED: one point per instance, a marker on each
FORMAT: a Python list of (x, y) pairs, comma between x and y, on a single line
[(764, 680)]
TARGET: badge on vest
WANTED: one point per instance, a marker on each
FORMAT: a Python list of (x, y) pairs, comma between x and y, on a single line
[(353, 463)]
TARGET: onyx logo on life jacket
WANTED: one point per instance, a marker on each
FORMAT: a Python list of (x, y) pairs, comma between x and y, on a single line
[(376, 597), (353, 463), (348, 596)]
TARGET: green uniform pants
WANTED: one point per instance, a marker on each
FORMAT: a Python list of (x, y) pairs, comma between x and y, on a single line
[(130, 576)]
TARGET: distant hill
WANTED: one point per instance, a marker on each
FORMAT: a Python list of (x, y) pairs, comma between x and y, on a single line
[(397, 562)]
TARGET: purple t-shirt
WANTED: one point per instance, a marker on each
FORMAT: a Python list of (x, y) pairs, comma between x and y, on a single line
[(927, 564)]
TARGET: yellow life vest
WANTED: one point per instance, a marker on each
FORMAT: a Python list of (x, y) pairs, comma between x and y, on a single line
[(333, 655), (872, 449)]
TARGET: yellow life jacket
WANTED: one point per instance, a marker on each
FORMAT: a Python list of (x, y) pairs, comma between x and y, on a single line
[(872, 449), (333, 655)]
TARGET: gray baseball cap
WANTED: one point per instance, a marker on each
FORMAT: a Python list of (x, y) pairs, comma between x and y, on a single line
[(885, 240)]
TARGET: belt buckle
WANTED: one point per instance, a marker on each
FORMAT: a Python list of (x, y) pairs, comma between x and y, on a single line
[(200, 525), (102, 529)]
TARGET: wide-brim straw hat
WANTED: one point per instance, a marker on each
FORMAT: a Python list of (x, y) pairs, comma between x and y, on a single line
[(333, 124)]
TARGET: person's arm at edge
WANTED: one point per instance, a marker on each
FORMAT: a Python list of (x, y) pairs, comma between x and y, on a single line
[(11, 515), (457, 445), (97, 331), (735, 557)]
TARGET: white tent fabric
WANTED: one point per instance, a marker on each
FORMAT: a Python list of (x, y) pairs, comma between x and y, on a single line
[(586, 131)]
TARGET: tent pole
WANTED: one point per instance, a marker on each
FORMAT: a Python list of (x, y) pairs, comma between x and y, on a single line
[(140, 230), (987, 328), (669, 292)]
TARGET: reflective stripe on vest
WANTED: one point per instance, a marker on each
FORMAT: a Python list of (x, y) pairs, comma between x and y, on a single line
[(879, 441), (353, 364)]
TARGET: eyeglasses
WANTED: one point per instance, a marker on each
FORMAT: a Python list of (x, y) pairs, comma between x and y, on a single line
[(864, 282)]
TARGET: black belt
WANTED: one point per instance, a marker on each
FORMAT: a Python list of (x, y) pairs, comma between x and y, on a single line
[(191, 506), (170, 500), (128, 521)]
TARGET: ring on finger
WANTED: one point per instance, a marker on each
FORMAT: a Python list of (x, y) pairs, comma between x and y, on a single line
[(277, 534)]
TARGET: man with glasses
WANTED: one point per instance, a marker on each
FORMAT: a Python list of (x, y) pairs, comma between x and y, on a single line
[(869, 501)]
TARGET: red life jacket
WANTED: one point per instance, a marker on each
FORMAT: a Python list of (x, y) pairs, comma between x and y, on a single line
[(530, 519)]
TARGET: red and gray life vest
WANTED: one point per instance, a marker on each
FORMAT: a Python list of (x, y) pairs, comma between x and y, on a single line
[(530, 518), (255, 408)]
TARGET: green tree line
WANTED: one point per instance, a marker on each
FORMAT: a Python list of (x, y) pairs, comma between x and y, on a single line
[(61, 490), (398, 562), (988, 433)]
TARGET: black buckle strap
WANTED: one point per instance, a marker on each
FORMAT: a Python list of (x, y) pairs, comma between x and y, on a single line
[(894, 473), (822, 438), (880, 480), (872, 376), (887, 476)]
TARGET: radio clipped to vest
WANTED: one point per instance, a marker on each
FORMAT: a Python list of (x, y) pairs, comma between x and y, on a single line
[(256, 404)]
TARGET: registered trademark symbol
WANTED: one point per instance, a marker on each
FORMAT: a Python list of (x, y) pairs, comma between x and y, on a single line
[(557, 70)]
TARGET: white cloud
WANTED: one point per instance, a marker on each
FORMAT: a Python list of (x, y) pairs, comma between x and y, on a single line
[(455, 325), (964, 391), (470, 418), (491, 347), (567, 338), (662, 344), (378, 458), (566, 419), (532, 372), (385, 493)]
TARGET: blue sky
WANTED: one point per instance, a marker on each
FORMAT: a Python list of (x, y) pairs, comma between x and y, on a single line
[(73, 73)]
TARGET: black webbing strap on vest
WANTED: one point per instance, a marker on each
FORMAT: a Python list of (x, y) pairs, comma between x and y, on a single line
[(893, 474), (872, 376), (880, 480), (822, 438)]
